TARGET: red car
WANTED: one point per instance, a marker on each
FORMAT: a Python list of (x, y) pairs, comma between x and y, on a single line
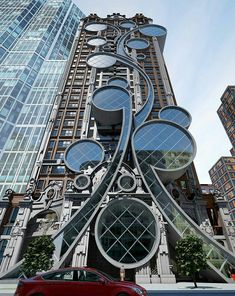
[(76, 282)]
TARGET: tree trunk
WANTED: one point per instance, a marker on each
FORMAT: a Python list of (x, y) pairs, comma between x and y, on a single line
[(194, 281)]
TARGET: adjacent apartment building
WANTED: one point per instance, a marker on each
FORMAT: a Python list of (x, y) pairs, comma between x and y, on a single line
[(114, 182), (223, 172)]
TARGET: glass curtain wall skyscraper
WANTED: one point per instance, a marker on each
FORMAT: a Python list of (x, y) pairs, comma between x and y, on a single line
[(36, 37), (114, 183)]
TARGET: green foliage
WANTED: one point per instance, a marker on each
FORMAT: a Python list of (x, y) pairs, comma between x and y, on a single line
[(190, 258), (38, 255)]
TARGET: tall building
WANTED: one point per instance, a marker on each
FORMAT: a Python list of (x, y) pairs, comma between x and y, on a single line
[(222, 175), (114, 182), (223, 171), (36, 37), (226, 113)]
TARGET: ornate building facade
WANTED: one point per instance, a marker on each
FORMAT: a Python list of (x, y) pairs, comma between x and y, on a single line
[(114, 182)]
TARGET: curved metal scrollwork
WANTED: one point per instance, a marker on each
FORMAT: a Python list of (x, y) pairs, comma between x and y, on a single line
[(162, 149)]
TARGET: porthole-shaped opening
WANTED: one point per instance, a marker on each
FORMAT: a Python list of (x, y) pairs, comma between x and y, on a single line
[(101, 61), (96, 41), (126, 183), (83, 154), (137, 43), (176, 114), (82, 182), (118, 81), (127, 24), (95, 27), (152, 30), (141, 56)]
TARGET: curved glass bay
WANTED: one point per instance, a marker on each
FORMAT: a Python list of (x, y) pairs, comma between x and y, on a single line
[(68, 236), (180, 223)]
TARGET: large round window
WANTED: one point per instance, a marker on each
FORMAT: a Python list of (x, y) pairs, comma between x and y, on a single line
[(127, 24), (95, 27), (164, 145), (83, 154), (111, 97), (127, 233), (137, 43), (96, 41), (153, 30), (176, 114), (101, 61)]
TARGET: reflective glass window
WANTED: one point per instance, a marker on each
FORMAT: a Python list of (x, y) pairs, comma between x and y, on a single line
[(82, 154)]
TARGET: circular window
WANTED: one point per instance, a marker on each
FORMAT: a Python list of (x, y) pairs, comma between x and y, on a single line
[(176, 114), (126, 183), (137, 43), (101, 61), (127, 24), (50, 193), (83, 154), (153, 30), (106, 48), (141, 56), (82, 182), (96, 41), (127, 233), (111, 97), (119, 81), (164, 145), (95, 27)]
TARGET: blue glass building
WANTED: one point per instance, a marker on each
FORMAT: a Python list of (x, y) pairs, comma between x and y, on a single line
[(36, 38)]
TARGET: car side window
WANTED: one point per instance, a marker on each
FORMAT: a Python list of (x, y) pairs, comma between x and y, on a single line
[(86, 276), (60, 276)]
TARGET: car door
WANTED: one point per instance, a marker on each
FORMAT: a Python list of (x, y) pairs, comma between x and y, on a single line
[(59, 283), (90, 283)]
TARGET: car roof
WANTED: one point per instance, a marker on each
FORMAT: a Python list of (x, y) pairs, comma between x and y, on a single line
[(72, 268)]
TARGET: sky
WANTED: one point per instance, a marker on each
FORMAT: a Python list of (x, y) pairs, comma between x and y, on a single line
[(200, 57)]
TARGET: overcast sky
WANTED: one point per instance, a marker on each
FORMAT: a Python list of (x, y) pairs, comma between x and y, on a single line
[(200, 57)]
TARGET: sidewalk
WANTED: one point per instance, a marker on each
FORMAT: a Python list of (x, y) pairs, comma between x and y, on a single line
[(7, 287), (187, 289)]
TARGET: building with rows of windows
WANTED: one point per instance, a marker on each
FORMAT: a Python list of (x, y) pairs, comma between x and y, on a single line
[(114, 183), (36, 37), (223, 171)]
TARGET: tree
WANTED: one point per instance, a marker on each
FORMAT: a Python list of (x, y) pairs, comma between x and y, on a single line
[(38, 256), (190, 258)]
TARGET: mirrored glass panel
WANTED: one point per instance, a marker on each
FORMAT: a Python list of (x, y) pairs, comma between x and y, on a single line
[(176, 114), (95, 27), (101, 61), (153, 31), (119, 81), (96, 41), (111, 98), (137, 43), (164, 145), (127, 24), (83, 154)]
